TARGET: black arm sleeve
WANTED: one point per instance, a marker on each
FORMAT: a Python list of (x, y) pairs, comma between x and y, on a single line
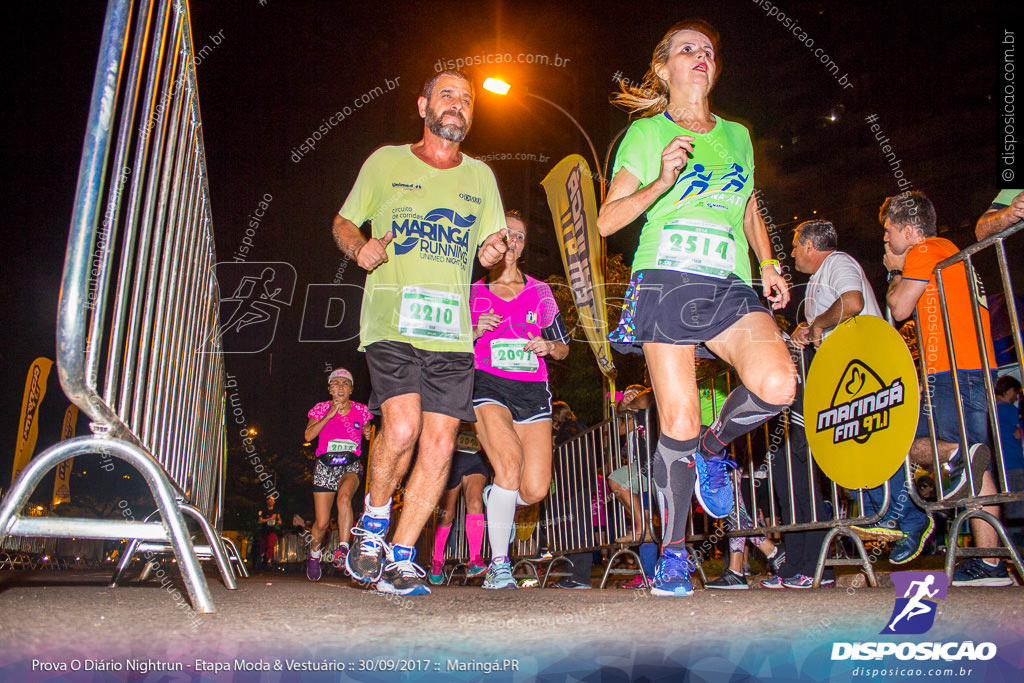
[(556, 330)]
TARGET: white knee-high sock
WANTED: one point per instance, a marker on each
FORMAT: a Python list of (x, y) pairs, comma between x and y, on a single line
[(501, 514)]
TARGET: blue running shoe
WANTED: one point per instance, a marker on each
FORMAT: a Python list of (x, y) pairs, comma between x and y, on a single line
[(365, 562), (402, 576), (912, 544), (672, 575), (714, 486), (977, 572), (499, 575)]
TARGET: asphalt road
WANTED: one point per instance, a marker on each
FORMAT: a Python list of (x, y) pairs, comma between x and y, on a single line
[(52, 618)]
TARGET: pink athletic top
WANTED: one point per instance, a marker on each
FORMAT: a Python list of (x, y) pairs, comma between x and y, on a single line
[(499, 352), (344, 430)]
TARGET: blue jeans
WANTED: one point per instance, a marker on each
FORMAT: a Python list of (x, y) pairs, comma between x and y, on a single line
[(902, 512), (648, 558), (947, 424)]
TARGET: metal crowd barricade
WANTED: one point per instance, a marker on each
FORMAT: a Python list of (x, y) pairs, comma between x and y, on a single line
[(831, 517), (582, 515), (634, 517), (973, 504), (759, 456), (579, 517), (137, 331)]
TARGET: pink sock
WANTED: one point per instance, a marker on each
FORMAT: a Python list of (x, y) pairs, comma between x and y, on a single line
[(440, 540), (475, 525)]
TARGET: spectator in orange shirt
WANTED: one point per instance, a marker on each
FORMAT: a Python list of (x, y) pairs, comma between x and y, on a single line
[(912, 250)]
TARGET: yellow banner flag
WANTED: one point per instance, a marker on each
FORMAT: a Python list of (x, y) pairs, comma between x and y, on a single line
[(570, 191), (28, 425), (62, 484)]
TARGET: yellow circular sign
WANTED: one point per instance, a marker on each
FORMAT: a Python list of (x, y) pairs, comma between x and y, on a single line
[(861, 403)]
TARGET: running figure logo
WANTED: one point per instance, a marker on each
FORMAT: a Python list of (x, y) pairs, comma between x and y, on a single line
[(248, 317), (914, 613)]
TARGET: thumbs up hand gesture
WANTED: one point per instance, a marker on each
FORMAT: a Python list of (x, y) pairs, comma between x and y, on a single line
[(374, 252)]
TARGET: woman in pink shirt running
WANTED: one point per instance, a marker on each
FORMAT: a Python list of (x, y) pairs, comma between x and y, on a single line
[(516, 325), (338, 425)]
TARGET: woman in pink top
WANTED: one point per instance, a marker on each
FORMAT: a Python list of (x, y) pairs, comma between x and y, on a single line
[(516, 325), (339, 426)]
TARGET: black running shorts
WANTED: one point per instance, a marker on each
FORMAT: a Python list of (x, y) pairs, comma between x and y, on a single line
[(671, 307), (527, 401), (465, 464), (444, 381)]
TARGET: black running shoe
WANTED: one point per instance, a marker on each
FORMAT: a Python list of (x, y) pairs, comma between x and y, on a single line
[(365, 562), (402, 576), (729, 580)]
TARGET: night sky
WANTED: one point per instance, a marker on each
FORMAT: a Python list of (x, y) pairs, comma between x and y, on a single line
[(272, 71)]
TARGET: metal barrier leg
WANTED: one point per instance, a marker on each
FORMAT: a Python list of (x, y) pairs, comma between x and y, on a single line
[(700, 565), (465, 573), (611, 560), (551, 564), (126, 560), (863, 562), (129, 554), (216, 546), (955, 551), (529, 565), (156, 478), (148, 567), (233, 554)]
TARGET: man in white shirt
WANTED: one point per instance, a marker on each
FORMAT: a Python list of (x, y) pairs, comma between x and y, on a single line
[(837, 291)]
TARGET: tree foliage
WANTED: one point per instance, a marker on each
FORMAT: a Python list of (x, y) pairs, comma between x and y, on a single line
[(577, 379)]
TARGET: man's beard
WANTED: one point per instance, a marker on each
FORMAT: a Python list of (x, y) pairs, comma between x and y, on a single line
[(452, 132)]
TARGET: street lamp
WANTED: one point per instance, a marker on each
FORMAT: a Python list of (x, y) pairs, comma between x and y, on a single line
[(500, 87)]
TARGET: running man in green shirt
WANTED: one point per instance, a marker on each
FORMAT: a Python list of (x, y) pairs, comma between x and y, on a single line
[(432, 210)]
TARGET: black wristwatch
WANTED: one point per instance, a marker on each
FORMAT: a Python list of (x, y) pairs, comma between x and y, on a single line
[(893, 273)]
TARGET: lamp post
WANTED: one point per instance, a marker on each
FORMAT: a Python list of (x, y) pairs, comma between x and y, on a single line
[(499, 87)]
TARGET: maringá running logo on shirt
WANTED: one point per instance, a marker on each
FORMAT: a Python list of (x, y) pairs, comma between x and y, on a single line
[(442, 235)]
